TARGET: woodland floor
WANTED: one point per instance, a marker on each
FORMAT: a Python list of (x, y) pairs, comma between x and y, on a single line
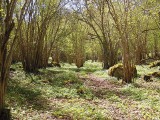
[(88, 93)]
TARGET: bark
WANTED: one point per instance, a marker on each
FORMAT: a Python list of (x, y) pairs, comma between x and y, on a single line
[(2, 96), (127, 66), (79, 62), (138, 55), (5, 60), (156, 51), (105, 60), (109, 56), (56, 55)]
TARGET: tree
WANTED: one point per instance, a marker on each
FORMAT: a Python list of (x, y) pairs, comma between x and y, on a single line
[(96, 16), (78, 38), (139, 22), (43, 20), (122, 25), (7, 25)]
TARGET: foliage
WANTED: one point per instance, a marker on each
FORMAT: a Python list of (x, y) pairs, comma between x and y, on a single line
[(61, 93), (83, 38)]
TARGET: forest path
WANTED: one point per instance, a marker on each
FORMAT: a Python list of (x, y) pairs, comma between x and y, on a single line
[(94, 81), (105, 90)]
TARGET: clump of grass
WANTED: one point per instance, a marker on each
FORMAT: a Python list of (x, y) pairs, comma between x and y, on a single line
[(91, 66), (144, 69), (85, 92), (101, 73), (89, 63), (79, 110), (17, 66), (67, 75), (134, 93), (66, 78), (67, 85), (104, 74)]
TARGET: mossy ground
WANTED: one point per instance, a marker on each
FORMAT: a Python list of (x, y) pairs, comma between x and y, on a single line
[(68, 93)]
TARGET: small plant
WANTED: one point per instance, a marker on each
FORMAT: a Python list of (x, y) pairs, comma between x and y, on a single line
[(135, 93)]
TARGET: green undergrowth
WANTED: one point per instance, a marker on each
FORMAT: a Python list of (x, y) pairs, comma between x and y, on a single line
[(28, 93), (88, 67), (78, 109), (145, 69), (60, 94)]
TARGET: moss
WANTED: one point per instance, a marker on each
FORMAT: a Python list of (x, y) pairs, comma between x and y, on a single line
[(154, 74), (154, 64), (117, 71)]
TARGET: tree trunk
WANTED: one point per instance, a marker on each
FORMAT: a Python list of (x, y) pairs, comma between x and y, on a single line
[(55, 55), (4, 68), (79, 61), (109, 58), (156, 53), (127, 65), (138, 55), (105, 62), (2, 95), (105, 56)]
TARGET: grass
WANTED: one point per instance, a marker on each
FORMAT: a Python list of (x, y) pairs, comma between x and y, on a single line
[(80, 109), (144, 69), (61, 93)]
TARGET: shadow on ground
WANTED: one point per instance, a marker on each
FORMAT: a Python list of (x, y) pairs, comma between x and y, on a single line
[(25, 96)]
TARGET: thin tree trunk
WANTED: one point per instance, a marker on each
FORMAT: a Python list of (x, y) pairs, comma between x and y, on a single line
[(127, 65), (105, 60), (2, 94), (4, 68), (109, 58)]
